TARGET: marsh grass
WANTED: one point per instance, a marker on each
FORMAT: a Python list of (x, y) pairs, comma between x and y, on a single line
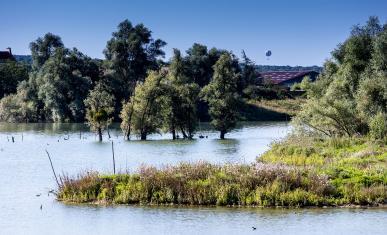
[(294, 173)]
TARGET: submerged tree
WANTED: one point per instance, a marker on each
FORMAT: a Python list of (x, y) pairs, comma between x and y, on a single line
[(126, 116), (222, 96), (99, 108), (180, 96), (142, 113)]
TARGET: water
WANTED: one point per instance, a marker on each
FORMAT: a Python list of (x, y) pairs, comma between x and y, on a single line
[(25, 173)]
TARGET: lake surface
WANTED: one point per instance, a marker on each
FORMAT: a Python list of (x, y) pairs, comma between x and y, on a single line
[(25, 173)]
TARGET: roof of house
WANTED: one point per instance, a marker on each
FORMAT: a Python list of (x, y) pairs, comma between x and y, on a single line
[(278, 77), (6, 55)]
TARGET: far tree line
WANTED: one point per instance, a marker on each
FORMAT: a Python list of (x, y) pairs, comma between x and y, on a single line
[(132, 85)]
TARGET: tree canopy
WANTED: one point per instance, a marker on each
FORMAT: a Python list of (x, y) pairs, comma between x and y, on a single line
[(99, 109), (130, 54), (352, 90), (222, 96)]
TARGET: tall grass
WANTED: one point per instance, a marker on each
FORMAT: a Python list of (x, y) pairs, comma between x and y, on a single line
[(294, 173), (202, 184)]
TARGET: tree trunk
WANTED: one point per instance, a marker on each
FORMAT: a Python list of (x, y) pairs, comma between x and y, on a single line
[(143, 136), (222, 133), (108, 132), (184, 134), (127, 133), (99, 134), (173, 134)]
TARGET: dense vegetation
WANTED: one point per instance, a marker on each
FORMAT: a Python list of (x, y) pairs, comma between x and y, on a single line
[(350, 97), (145, 93), (315, 173)]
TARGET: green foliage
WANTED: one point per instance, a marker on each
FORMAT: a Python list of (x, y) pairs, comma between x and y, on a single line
[(17, 108), (303, 85), (126, 116), (130, 53), (11, 73), (43, 48), (180, 99), (57, 86), (221, 95), (61, 78), (200, 63), (142, 112), (371, 97), (352, 88), (61, 88), (378, 126), (286, 107), (99, 108), (249, 76)]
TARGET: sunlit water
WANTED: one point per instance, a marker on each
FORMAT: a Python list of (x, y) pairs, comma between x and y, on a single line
[(25, 173)]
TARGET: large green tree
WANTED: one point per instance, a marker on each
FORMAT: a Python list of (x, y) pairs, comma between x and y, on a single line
[(59, 82), (61, 87), (222, 95), (130, 53), (142, 113), (181, 98), (352, 90), (200, 62)]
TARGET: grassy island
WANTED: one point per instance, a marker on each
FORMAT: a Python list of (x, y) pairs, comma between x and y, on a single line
[(294, 173)]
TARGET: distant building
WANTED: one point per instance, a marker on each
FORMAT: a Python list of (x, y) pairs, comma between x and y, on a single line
[(6, 55), (287, 78)]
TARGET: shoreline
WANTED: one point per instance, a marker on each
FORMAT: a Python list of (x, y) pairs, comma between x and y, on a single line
[(294, 173), (111, 204)]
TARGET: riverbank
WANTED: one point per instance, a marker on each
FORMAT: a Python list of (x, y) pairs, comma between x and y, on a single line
[(271, 110), (294, 173)]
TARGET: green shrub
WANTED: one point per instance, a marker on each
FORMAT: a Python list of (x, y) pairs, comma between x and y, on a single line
[(378, 126)]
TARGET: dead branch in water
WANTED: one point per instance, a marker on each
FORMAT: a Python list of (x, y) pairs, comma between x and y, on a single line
[(114, 161), (52, 167)]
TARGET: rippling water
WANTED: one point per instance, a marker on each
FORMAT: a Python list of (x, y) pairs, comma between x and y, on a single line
[(25, 173)]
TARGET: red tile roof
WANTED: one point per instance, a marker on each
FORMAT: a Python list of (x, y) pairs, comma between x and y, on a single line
[(278, 77), (5, 55)]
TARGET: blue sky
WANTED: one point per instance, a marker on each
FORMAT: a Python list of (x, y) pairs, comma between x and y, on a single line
[(297, 32)]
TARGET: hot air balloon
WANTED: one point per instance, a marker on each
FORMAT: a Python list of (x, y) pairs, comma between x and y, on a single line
[(268, 54)]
